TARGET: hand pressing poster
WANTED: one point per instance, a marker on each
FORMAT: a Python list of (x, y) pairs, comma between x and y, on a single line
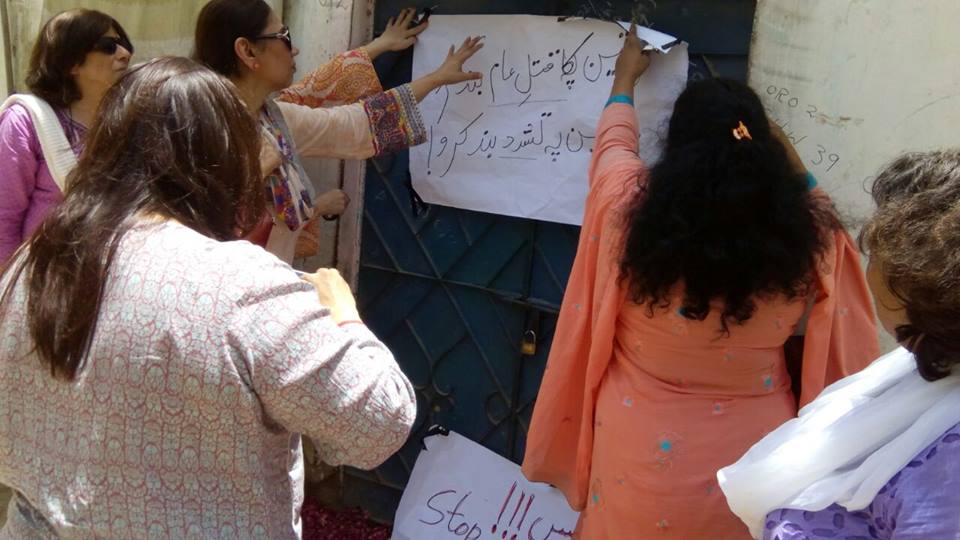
[(518, 142)]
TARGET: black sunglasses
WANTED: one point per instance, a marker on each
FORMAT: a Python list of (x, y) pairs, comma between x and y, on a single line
[(109, 44), (283, 35)]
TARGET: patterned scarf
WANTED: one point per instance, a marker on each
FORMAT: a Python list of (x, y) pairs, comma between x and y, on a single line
[(284, 186)]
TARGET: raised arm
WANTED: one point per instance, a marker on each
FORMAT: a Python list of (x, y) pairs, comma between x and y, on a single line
[(617, 131), (385, 122), (350, 77), (347, 78)]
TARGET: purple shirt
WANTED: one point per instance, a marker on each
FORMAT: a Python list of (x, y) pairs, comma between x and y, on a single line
[(27, 187), (922, 502)]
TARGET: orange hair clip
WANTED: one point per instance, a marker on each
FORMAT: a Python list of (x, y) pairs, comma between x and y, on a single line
[(741, 132)]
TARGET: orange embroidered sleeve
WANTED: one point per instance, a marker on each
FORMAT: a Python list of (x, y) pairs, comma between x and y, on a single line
[(348, 78)]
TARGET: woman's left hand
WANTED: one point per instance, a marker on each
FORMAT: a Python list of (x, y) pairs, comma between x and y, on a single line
[(398, 34), (331, 203), (451, 71)]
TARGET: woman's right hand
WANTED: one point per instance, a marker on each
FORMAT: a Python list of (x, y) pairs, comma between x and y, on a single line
[(334, 293), (398, 35), (633, 60)]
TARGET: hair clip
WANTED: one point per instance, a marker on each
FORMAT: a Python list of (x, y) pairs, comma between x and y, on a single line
[(741, 132)]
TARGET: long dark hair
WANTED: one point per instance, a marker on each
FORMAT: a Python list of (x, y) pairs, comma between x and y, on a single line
[(219, 25), (172, 141), (725, 218), (63, 43), (914, 238)]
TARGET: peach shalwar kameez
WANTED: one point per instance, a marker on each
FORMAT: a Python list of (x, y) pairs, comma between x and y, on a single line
[(636, 413)]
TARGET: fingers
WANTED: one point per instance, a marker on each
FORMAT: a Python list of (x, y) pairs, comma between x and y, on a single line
[(326, 278), (341, 202), (334, 197), (332, 274), (311, 279), (405, 17), (634, 41), (464, 44), (416, 30), (469, 47)]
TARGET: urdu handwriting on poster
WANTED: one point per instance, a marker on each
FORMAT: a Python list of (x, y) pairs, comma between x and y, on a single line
[(518, 142), (460, 490)]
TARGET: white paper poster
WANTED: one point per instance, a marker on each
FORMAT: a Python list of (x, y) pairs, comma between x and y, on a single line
[(518, 142), (461, 490)]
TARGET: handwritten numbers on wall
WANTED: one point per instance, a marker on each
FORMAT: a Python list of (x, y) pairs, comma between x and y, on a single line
[(822, 158)]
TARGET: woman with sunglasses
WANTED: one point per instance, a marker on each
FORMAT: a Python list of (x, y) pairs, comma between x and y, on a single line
[(77, 56), (245, 41)]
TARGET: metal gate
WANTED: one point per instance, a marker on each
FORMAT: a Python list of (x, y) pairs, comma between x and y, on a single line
[(461, 297)]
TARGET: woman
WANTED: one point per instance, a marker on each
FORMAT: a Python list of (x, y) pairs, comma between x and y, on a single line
[(245, 41), (689, 277), (881, 449), (155, 376), (75, 59), (347, 78)]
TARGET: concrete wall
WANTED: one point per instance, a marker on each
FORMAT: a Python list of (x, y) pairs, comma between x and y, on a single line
[(856, 83)]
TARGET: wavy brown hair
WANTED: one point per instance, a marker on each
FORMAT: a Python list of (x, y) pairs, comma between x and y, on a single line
[(63, 43), (914, 237), (173, 141)]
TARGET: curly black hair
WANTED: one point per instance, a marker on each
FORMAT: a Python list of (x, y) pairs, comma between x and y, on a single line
[(914, 237), (727, 219)]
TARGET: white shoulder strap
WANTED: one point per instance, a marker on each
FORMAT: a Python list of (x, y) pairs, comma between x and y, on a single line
[(53, 141)]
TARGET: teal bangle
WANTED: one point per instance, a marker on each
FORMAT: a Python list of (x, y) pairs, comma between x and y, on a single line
[(811, 181), (620, 98)]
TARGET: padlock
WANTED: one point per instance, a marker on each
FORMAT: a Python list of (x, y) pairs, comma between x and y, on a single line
[(528, 347)]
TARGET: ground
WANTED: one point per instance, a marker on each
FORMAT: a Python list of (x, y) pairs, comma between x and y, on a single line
[(319, 523)]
